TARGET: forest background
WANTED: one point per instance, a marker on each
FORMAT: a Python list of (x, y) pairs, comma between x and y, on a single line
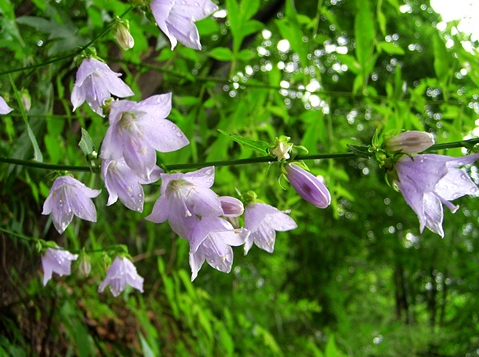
[(355, 279)]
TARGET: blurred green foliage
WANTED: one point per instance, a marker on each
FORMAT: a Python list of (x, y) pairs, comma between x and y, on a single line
[(356, 279)]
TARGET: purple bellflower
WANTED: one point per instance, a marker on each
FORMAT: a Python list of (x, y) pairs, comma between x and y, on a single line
[(69, 197), (121, 182), (176, 19), (211, 240), (428, 181), (232, 207), (137, 130), (95, 82), (4, 108), (308, 186), (121, 272), (263, 221), (183, 198), (409, 142), (56, 261)]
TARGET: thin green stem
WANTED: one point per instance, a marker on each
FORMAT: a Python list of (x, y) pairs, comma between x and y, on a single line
[(255, 160)]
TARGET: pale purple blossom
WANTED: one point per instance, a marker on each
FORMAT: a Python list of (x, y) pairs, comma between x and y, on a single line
[(69, 197), (57, 261), (95, 83), (184, 198), (232, 207), (263, 221), (176, 19), (4, 108), (308, 186), (409, 142), (122, 272), (428, 181), (121, 182), (211, 240), (138, 129)]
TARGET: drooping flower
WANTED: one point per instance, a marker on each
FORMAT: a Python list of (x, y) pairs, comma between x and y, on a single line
[(428, 181), (409, 142), (308, 186), (138, 129), (120, 273), (176, 19), (56, 261), (211, 240), (69, 197), (4, 108), (184, 197), (121, 182), (95, 83), (263, 221)]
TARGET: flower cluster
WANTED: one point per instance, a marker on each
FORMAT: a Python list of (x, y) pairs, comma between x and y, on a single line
[(212, 224), (198, 214), (427, 181), (137, 131)]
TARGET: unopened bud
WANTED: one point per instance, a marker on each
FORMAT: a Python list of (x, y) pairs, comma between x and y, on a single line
[(409, 142), (26, 99), (308, 186), (85, 266), (232, 207), (123, 36)]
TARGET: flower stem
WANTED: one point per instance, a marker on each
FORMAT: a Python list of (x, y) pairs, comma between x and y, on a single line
[(256, 160)]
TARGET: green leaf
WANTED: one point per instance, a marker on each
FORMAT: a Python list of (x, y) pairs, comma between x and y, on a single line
[(364, 33), (256, 145), (86, 143), (37, 154), (147, 351), (390, 47), (221, 54)]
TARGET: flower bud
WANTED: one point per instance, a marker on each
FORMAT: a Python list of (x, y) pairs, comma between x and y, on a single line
[(85, 265), (123, 36), (308, 186), (232, 207), (26, 99), (409, 142)]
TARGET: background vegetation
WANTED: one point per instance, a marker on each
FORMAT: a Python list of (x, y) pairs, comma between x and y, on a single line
[(356, 279)]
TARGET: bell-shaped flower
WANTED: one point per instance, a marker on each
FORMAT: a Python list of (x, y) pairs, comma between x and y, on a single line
[(95, 83), (211, 240), (69, 197), (137, 130), (176, 19), (308, 186), (263, 221), (121, 182), (428, 181), (120, 273), (57, 261), (184, 197), (4, 108), (409, 142)]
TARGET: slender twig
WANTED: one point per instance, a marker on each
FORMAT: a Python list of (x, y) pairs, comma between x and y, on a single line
[(255, 160)]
